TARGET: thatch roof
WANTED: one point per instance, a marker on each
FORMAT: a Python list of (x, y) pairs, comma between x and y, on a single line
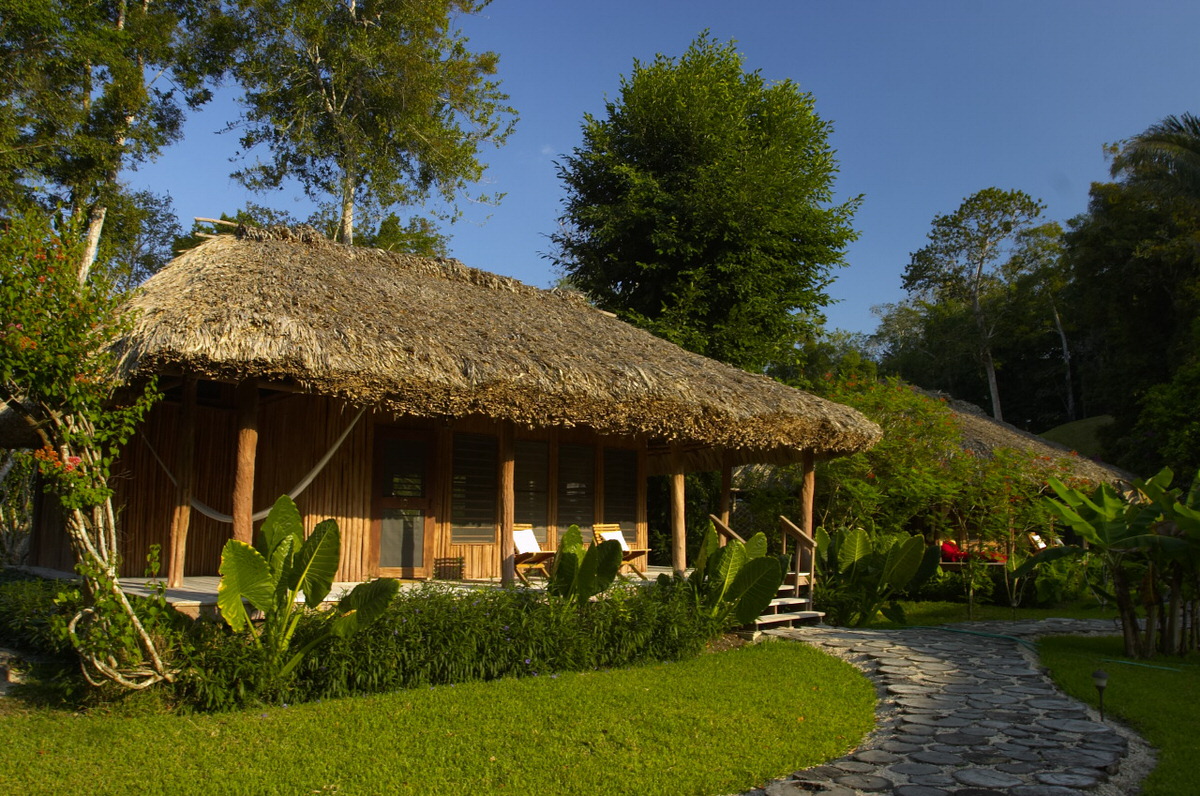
[(434, 338), (982, 433)]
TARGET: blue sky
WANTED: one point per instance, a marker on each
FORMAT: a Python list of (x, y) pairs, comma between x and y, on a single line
[(931, 100)]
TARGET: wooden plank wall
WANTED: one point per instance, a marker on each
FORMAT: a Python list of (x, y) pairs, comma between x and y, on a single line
[(295, 431)]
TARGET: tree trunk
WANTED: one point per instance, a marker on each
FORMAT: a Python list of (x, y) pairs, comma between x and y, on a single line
[(985, 354), (92, 246), (346, 222), (1066, 358)]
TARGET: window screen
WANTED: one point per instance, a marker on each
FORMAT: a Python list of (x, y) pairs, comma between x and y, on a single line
[(473, 490), (532, 477), (576, 487), (621, 490)]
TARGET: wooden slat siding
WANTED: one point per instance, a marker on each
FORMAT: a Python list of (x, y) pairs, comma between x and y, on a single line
[(145, 495), (296, 432), (185, 474)]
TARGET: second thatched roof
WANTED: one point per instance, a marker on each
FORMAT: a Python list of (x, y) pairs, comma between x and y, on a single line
[(434, 338)]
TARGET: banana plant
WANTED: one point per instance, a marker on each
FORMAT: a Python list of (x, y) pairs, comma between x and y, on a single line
[(735, 583), (861, 575), (272, 575), (579, 574)]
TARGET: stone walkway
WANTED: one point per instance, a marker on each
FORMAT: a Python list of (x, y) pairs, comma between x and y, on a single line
[(970, 715)]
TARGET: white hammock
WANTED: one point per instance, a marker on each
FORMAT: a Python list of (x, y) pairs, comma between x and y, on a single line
[(209, 511)]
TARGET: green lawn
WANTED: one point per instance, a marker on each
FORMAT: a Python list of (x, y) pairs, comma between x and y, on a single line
[(1163, 706), (720, 723)]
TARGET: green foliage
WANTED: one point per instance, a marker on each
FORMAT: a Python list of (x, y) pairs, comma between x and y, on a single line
[(16, 505), (577, 575), (858, 575), (28, 615), (282, 567), (376, 103), (734, 584), (698, 207), (435, 636), (1149, 543)]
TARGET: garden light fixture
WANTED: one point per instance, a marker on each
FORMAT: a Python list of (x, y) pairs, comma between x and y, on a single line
[(1100, 680)]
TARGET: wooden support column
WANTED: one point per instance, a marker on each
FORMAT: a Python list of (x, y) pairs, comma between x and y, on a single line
[(185, 469), (726, 496), (508, 503), (678, 516), (243, 478), (807, 490)]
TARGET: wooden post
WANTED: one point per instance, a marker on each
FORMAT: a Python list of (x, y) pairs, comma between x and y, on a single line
[(185, 469), (726, 497), (508, 502), (243, 478), (807, 490), (678, 516)]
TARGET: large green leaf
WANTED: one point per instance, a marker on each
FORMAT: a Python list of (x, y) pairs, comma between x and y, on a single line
[(246, 576), (902, 561), (316, 563), (756, 546), (722, 569), (856, 544), (283, 520), (756, 584), (598, 569), (362, 606)]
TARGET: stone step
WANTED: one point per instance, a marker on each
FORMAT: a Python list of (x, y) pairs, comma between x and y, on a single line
[(786, 602)]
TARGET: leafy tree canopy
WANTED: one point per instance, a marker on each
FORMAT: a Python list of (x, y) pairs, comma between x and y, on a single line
[(377, 103), (699, 207)]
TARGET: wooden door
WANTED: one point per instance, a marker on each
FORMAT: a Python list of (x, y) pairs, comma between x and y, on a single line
[(403, 520)]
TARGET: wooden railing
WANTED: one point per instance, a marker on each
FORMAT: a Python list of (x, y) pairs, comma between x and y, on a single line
[(724, 531), (806, 552)]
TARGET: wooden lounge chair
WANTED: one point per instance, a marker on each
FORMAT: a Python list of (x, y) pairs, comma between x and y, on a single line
[(606, 531), (530, 557)]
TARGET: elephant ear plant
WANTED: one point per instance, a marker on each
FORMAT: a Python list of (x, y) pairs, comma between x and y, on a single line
[(272, 575), (737, 582), (860, 576), (578, 574)]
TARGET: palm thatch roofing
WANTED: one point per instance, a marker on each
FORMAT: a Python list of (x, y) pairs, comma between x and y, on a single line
[(434, 338), (983, 433)]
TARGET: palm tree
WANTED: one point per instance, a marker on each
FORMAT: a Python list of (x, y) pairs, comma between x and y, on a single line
[(1165, 158)]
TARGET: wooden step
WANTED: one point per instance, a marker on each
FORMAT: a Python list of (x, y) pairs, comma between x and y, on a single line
[(789, 619), (785, 603)]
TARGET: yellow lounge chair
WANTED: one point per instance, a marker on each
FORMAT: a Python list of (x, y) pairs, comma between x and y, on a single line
[(529, 557), (606, 531)]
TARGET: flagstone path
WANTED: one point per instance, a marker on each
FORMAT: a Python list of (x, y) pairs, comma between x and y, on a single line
[(965, 713)]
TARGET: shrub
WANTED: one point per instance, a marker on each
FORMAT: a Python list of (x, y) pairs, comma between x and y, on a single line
[(434, 636), (27, 612)]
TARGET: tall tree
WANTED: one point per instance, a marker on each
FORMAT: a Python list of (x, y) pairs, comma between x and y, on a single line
[(699, 207), (1164, 158), (91, 88), (964, 258), (377, 101)]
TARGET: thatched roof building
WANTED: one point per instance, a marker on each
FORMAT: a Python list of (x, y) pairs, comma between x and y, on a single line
[(428, 407), (434, 338)]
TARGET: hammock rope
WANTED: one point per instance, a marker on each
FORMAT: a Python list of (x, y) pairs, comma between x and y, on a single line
[(211, 513)]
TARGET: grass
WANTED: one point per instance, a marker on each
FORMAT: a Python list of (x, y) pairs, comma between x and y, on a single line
[(1161, 705), (1081, 436), (719, 723)]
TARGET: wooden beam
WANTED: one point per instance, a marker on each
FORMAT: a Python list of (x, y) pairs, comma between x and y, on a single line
[(678, 516), (508, 502), (185, 469), (243, 478), (726, 496)]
